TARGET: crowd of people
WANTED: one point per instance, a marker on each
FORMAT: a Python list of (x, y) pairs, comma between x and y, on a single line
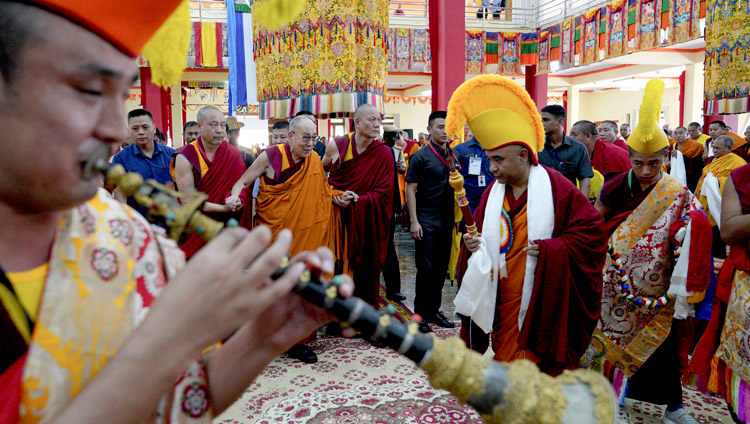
[(623, 251)]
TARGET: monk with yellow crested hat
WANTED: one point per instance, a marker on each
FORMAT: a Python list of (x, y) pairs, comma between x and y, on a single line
[(90, 331), (544, 286), (658, 267)]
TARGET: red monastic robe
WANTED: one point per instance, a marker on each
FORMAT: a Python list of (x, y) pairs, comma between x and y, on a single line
[(366, 222), (565, 302), (608, 157), (215, 178)]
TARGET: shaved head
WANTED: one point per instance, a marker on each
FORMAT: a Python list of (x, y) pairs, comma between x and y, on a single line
[(365, 107), (206, 113)]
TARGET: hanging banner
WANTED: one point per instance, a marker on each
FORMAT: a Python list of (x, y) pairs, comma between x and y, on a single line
[(727, 46), (208, 44), (474, 52), (684, 18), (420, 49), (567, 55), (529, 48), (578, 34), (647, 28), (491, 48), (542, 66), (618, 40), (555, 42), (603, 40), (401, 54), (590, 53), (329, 61), (509, 44)]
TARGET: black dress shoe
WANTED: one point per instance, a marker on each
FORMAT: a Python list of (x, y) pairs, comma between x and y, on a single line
[(424, 327), (377, 343), (396, 297), (440, 320), (302, 353)]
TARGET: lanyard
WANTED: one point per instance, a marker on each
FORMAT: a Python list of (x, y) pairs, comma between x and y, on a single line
[(441, 157), (6, 282)]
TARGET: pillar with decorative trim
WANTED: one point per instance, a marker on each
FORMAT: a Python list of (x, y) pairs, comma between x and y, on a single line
[(447, 42), (157, 101), (330, 60)]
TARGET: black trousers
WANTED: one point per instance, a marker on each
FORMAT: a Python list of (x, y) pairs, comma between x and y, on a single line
[(659, 380), (718, 248), (432, 255), (391, 268)]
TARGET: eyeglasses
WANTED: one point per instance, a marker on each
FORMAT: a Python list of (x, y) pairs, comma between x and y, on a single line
[(307, 138)]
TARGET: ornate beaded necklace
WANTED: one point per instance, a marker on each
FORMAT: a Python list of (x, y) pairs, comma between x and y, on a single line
[(625, 284), (506, 232)]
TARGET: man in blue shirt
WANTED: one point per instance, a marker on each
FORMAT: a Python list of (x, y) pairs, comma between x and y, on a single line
[(475, 168), (143, 156)]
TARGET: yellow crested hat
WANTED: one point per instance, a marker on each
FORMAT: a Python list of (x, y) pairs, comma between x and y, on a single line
[(647, 138), (499, 113)]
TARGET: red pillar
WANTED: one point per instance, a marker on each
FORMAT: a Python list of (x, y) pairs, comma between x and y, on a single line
[(682, 99), (157, 101), (536, 85), (447, 33)]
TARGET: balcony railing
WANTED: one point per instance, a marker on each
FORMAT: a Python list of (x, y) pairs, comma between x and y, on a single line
[(516, 15)]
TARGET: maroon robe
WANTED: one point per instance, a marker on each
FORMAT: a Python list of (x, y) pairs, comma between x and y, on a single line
[(608, 157), (565, 302), (226, 168), (370, 174), (619, 143)]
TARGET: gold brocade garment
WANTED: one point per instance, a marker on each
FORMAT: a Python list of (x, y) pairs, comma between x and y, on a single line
[(632, 333), (107, 266)]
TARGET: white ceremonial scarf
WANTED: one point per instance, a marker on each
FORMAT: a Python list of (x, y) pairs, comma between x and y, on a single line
[(712, 191), (677, 169), (540, 214)]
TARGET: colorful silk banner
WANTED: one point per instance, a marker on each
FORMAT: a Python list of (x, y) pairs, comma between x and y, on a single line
[(243, 89), (590, 53), (647, 27), (684, 21), (542, 66), (474, 52), (603, 32), (208, 47), (555, 42), (402, 50), (509, 44), (578, 34), (420, 46), (727, 58), (567, 56), (491, 49), (618, 40), (529, 48), (632, 13), (332, 59)]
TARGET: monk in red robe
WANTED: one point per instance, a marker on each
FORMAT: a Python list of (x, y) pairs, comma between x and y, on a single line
[(545, 285), (608, 133), (209, 165), (360, 163), (605, 157), (294, 194), (692, 152), (658, 268)]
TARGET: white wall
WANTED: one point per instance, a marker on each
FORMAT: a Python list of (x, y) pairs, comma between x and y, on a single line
[(410, 116), (616, 105)]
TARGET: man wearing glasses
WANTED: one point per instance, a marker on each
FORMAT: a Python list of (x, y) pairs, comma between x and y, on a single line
[(294, 194)]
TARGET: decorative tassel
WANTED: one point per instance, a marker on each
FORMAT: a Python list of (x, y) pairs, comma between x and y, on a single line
[(166, 51)]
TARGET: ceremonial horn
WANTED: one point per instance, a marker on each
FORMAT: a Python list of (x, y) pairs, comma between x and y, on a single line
[(514, 392)]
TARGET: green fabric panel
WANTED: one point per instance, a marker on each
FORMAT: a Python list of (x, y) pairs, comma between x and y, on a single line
[(491, 48), (665, 6), (555, 42), (631, 17), (577, 37), (602, 26), (241, 7), (528, 48)]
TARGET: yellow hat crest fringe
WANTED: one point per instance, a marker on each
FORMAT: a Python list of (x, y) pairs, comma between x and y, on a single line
[(274, 14), (493, 92), (167, 50), (647, 138)]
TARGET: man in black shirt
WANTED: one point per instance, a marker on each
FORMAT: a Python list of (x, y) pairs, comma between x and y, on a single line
[(562, 153), (430, 200)]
